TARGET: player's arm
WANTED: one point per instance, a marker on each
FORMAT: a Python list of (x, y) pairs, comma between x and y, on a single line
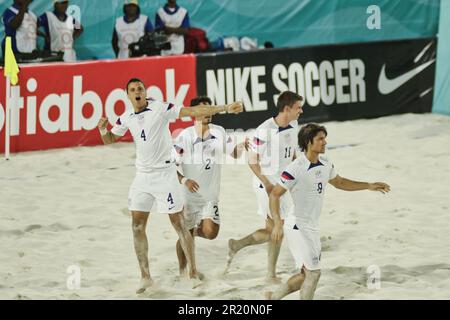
[(239, 148), (107, 136), (189, 183), (351, 185), (253, 163), (274, 204), (203, 111)]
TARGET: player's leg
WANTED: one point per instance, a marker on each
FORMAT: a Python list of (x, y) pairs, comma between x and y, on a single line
[(293, 284), (186, 241), (139, 224), (182, 261), (208, 229), (140, 203), (168, 193), (309, 286), (191, 220), (257, 237), (209, 224)]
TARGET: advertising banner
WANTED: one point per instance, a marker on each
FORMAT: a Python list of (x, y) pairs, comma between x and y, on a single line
[(59, 105), (338, 82)]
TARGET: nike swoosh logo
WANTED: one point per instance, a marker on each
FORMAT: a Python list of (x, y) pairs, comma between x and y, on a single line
[(386, 86), (171, 208)]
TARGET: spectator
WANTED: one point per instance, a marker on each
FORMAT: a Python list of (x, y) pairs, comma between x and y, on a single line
[(21, 25), (129, 28), (174, 20), (60, 30)]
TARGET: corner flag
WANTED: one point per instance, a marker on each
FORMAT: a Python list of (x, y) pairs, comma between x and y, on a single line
[(11, 67)]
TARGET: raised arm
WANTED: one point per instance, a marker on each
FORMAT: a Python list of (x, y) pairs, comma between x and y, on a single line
[(107, 136), (203, 111), (274, 204), (350, 185)]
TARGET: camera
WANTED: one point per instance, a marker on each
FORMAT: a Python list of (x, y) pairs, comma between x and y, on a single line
[(150, 44)]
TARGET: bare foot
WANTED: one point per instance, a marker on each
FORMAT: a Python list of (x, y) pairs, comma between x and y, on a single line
[(145, 283), (198, 275), (183, 273), (273, 280), (231, 253), (268, 295)]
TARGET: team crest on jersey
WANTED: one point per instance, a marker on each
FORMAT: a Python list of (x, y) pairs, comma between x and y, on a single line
[(318, 174)]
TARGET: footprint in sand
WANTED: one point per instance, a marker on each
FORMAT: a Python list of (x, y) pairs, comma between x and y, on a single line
[(8, 233), (58, 227), (33, 227)]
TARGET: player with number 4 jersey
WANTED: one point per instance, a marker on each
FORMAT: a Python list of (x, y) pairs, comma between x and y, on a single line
[(156, 176)]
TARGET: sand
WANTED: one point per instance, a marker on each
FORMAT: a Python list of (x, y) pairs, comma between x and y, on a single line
[(68, 207)]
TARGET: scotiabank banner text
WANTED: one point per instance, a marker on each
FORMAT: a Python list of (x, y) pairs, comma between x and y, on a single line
[(59, 105)]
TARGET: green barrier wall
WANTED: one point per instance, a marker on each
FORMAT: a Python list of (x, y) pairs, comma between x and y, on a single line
[(284, 23)]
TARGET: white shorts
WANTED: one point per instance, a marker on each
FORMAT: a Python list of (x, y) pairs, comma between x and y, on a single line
[(262, 199), (195, 212), (304, 245), (160, 188)]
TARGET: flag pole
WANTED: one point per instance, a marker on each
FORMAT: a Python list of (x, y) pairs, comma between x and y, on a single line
[(7, 116)]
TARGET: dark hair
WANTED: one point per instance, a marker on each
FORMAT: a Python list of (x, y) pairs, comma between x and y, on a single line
[(287, 98), (197, 100), (134, 80), (307, 134), (138, 8)]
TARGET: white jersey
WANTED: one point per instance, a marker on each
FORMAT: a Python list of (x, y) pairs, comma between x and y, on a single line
[(201, 160), (26, 34), (173, 20), (151, 134), (306, 182), (61, 36), (129, 33), (275, 146)]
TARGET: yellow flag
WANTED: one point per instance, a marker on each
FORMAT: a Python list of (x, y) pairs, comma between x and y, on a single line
[(11, 67)]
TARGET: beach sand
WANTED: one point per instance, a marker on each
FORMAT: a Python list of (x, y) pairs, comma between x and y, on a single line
[(65, 209)]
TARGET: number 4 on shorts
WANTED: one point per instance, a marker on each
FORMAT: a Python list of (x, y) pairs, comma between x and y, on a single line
[(170, 199)]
